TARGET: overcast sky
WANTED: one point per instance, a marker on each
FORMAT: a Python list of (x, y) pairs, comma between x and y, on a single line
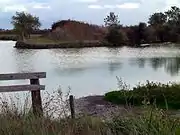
[(93, 11)]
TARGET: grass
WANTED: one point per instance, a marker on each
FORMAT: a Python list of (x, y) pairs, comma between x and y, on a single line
[(37, 41), (162, 95), (151, 122), (42, 40), (46, 43), (56, 121), (46, 40)]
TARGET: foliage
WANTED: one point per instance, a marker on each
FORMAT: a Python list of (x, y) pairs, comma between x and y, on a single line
[(163, 27), (173, 15), (141, 32), (115, 36), (157, 19), (112, 20), (160, 95), (25, 23), (19, 120), (67, 30), (166, 24)]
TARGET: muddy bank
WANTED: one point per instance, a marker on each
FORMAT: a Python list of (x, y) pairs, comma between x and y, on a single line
[(78, 44), (98, 107)]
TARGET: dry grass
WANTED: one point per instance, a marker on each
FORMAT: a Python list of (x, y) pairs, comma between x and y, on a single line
[(17, 119)]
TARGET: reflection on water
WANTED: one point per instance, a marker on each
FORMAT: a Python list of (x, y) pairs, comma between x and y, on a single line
[(170, 65), (93, 70)]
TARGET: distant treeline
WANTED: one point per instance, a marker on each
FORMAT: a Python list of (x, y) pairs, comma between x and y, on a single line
[(161, 27)]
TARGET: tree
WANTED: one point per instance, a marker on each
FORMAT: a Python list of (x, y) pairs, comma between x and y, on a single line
[(142, 32), (150, 34), (173, 15), (157, 19), (115, 36), (25, 23), (112, 20)]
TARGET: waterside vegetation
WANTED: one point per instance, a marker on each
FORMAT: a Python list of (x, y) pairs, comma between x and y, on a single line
[(166, 96), (18, 120)]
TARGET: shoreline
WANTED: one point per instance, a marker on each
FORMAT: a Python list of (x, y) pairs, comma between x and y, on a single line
[(79, 44), (76, 44), (8, 38), (98, 107)]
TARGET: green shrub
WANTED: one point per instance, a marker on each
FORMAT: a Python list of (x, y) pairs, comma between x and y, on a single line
[(162, 95)]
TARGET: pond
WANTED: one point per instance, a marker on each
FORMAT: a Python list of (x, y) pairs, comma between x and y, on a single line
[(92, 71)]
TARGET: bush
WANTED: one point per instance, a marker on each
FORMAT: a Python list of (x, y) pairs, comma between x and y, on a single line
[(116, 37), (161, 95)]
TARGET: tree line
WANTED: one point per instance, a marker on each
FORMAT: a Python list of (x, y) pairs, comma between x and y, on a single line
[(161, 27)]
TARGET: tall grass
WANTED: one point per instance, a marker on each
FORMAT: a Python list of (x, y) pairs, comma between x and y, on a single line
[(56, 120), (152, 122)]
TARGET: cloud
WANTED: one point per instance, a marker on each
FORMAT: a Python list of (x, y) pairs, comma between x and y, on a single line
[(41, 6), (121, 6), (86, 1), (25, 5), (109, 6), (129, 5), (14, 8), (95, 6)]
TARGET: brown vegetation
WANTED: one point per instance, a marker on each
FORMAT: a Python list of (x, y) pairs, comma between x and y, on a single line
[(75, 30)]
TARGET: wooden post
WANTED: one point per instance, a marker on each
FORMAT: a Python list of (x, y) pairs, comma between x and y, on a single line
[(36, 99), (71, 102)]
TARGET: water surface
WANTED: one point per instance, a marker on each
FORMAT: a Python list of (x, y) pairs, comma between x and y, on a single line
[(92, 71)]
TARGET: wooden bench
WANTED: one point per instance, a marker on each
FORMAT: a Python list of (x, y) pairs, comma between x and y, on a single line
[(34, 87)]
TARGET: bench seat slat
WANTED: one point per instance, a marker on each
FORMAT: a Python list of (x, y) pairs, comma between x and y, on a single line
[(16, 88), (19, 76)]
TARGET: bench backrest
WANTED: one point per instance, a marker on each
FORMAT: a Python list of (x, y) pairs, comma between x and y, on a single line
[(34, 87), (21, 76)]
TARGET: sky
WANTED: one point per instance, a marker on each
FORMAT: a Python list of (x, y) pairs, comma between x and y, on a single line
[(130, 12)]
